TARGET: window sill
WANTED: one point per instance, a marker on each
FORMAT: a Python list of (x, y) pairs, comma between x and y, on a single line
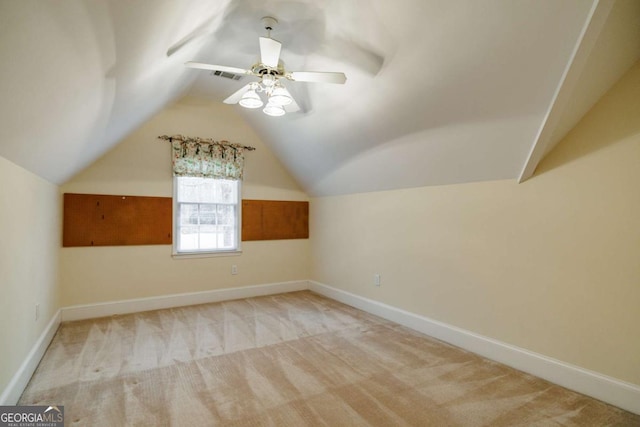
[(190, 255)]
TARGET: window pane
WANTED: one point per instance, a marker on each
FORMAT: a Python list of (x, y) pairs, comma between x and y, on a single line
[(188, 239), (226, 237), (208, 214), (226, 214), (208, 237), (188, 214)]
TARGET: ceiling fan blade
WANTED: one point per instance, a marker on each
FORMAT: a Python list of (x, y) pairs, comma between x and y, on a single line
[(212, 67), (317, 77), (270, 51), (235, 96)]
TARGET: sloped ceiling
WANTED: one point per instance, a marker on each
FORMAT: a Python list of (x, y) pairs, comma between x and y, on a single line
[(438, 91)]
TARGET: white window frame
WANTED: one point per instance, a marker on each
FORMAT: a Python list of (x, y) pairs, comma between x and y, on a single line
[(208, 252)]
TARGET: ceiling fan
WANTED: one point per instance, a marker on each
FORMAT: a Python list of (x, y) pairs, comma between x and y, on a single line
[(270, 70)]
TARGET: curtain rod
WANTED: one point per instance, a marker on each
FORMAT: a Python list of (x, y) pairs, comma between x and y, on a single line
[(204, 140)]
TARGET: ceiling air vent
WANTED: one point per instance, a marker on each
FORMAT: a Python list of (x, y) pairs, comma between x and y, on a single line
[(226, 75)]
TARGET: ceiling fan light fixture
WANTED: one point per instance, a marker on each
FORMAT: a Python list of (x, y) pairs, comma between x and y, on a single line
[(268, 80), (251, 100), (273, 110), (280, 97)]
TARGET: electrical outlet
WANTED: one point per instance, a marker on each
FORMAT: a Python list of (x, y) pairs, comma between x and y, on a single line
[(37, 312), (376, 279), (234, 269)]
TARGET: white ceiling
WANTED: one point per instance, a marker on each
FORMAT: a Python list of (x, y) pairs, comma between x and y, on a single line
[(438, 91)]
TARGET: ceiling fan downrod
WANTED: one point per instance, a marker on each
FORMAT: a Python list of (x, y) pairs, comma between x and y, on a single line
[(269, 23)]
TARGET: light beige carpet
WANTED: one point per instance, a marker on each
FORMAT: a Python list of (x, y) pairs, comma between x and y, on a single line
[(294, 359)]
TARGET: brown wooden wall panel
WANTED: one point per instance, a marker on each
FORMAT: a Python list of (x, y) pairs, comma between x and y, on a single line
[(101, 220), (274, 220)]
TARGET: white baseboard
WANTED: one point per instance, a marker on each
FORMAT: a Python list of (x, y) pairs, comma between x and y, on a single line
[(21, 378), (90, 311), (611, 390)]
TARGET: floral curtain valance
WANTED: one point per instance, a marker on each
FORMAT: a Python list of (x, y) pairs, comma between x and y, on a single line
[(206, 158)]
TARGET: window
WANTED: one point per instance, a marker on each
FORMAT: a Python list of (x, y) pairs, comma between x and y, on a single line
[(206, 215)]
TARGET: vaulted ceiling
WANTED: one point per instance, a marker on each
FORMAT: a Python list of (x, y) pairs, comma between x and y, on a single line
[(438, 91)]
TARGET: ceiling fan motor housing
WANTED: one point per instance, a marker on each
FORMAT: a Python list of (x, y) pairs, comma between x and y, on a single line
[(261, 70), (269, 22)]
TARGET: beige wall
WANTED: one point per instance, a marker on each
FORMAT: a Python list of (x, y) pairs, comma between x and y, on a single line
[(29, 241), (551, 265), (141, 165)]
